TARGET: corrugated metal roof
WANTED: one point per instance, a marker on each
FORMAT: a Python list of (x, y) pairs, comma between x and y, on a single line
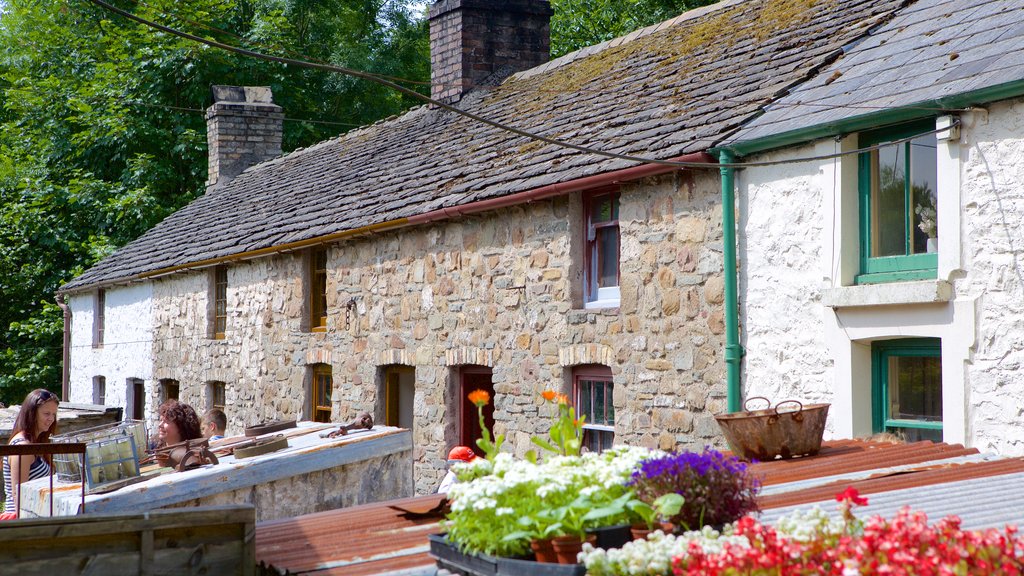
[(371, 539), (938, 479)]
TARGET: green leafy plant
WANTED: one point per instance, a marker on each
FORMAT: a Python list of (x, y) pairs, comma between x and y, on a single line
[(491, 448), (664, 506), (566, 433)]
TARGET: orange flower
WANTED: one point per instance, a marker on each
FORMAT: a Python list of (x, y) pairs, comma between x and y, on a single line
[(562, 398), (479, 397), (549, 395)]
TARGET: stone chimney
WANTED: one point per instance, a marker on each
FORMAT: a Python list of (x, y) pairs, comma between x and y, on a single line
[(243, 128), (472, 39)]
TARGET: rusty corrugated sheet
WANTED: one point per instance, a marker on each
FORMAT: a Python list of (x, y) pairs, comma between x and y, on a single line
[(377, 538), (369, 539)]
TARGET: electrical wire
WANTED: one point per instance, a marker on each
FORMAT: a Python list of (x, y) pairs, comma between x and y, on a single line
[(522, 88), (201, 111), (455, 110)]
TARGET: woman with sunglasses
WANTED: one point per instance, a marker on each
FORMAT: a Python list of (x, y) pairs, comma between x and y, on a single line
[(36, 422)]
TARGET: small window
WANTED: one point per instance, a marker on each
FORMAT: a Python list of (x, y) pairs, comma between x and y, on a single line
[(399, 390), (136, 399), (899, 229), (220, 302), (99, 390), (169, 389), (99, 318), (592, 391), (215, 396), (907, 384), (320, 392), (601, 271), (318, 291)]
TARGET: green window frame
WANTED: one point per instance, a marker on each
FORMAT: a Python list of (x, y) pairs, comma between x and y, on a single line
[(908, 258), (916, 354)]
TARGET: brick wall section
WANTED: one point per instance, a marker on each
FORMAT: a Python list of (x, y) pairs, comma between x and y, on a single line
[(495, 289), (241, 132), (472, 39)]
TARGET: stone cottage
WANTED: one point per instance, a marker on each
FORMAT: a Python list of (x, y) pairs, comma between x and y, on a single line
[(399, 266), (896, 256)]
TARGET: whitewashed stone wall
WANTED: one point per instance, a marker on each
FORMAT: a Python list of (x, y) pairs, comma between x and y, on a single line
[(127, 350), (993, 252), (781, 221), (798, 251), (499, 289)]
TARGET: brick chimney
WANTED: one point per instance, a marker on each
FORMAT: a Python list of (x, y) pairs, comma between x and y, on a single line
[(472, 39), (243, 128)]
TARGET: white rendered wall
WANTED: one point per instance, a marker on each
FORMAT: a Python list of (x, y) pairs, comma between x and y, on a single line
[(127, 350), (808, 332), (781, 229), (993, 232)]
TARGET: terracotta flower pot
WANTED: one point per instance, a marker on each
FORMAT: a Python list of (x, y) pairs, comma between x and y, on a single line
[(568, 547), (543, 551), (640, 531)]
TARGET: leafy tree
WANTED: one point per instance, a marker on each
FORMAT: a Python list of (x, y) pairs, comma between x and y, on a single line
[(95, 147), (580, 23)]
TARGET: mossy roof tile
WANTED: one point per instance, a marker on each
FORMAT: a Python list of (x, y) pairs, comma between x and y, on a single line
[(667, 90)]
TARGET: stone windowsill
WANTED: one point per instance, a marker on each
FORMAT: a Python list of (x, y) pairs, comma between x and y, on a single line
[(889, 294)]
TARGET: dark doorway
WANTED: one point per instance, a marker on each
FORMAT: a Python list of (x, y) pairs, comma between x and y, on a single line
[(474, 378)]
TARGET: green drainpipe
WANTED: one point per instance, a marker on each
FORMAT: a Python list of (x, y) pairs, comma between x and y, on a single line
[(733, 350)]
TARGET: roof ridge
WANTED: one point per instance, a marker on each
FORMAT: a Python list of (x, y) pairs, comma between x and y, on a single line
[(571, 57)]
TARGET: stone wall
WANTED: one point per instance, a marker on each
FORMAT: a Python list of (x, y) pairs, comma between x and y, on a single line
[(499, 289), (781, 218), (993, 250), (363, 482), (127, 350)]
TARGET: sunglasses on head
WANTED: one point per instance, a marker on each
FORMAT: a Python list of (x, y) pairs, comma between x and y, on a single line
[(46, 396)]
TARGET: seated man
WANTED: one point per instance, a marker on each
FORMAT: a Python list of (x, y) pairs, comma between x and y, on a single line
[(214, 423)]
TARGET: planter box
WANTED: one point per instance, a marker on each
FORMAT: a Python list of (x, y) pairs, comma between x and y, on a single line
[(452, 559)]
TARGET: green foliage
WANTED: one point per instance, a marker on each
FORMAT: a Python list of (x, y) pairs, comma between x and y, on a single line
[(91, 155), (580, 23)]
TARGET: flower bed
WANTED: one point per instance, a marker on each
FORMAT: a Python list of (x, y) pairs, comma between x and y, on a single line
[(501, 504), (504, 507), (810, 542)]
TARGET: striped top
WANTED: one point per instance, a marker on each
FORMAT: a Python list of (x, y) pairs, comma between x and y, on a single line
[(38, 469)]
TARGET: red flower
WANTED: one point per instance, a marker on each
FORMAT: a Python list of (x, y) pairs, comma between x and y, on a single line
[(549, 395), (851, 495)]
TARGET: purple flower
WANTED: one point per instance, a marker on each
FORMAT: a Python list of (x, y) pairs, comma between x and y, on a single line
[(717, 488)]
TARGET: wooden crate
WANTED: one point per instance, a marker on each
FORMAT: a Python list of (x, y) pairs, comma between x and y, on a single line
[(204, 540)]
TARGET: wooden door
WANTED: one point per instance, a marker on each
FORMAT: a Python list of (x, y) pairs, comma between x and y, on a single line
[(475, 378)]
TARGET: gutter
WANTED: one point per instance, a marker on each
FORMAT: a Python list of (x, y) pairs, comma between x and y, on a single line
[(733, 349), (528, 196), (917, 111), (558, 189), (65, 375)]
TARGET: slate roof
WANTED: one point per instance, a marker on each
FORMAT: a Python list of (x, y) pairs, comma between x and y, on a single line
[(668, 90), (932, 49)]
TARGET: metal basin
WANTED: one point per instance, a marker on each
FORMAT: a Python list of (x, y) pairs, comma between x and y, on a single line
[(784, 430)]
